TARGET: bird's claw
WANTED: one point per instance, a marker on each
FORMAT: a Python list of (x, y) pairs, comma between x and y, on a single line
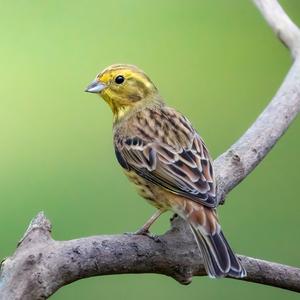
[(146, 233), (142, 231), (173, 217)]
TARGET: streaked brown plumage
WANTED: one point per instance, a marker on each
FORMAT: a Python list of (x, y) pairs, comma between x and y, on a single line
[(165, 157)]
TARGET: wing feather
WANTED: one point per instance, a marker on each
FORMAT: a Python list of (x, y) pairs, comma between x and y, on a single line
[(185, 171)]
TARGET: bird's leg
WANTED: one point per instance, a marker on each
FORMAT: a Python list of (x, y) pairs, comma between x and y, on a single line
[(144, 230)]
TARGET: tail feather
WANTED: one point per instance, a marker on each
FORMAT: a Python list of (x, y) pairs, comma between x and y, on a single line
[(219, 259)]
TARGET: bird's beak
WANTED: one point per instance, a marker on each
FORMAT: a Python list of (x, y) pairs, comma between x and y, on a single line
[(95, 87)]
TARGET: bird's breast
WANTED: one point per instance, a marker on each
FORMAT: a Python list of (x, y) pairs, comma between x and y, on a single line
[(154, 194)]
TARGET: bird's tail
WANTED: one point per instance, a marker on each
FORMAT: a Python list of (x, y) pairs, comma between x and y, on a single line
[(219, 259)]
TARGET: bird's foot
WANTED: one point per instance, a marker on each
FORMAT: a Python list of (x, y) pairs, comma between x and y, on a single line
[(173, 217), (142, 231), (146, 233)]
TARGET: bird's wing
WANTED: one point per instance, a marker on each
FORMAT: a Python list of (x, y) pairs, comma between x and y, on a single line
[(186, 171)]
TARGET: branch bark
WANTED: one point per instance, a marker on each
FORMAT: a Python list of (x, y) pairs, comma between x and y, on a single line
[(237, 162), (41, 265)]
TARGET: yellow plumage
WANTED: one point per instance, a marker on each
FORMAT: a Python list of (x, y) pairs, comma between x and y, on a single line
[(163, 155)]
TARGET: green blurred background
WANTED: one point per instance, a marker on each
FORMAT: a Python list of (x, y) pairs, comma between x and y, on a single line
[(215, 61)]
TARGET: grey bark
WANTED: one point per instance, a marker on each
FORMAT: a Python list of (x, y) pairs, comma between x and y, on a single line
[(41, 265), (236, 163)]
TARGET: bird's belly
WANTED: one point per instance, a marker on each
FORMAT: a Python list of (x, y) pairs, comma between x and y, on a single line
[(154, 194)]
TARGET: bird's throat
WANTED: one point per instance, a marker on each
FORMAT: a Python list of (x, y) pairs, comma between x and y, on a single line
[(119, 111)]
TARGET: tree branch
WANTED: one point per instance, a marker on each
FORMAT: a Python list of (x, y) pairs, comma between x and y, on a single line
[(236, 163), (281, 24), (41, 265)]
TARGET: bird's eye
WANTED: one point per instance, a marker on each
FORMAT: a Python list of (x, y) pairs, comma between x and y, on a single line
[(119, 79)]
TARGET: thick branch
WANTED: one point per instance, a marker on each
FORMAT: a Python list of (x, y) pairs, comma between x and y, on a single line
[(236, 163), (41, 265)]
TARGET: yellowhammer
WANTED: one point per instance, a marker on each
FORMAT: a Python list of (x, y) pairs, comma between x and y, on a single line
[(165, 157)]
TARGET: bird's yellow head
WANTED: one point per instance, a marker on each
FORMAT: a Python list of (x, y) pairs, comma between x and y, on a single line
[(124, 87)]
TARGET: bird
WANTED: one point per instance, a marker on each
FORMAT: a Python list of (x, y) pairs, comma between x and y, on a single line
[(167, 160)]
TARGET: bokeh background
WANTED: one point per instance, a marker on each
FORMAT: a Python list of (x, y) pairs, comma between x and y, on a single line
[(215, 61)]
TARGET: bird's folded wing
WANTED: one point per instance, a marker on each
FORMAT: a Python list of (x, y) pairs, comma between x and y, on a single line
[(187, 171)]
